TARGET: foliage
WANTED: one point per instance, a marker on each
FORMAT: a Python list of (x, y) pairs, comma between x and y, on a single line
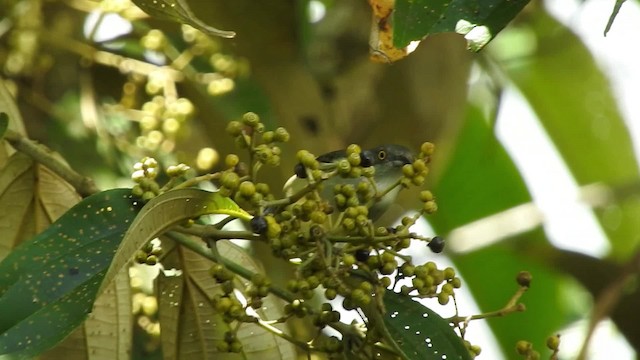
[(153, 108)]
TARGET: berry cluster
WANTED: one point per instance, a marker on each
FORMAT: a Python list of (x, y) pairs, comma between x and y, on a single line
[(148, 254), (429, 281)]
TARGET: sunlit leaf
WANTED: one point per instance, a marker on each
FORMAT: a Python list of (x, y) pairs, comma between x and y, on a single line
[(479, 21), (420, 332), (165, 211), (51, 281), (179, 11)]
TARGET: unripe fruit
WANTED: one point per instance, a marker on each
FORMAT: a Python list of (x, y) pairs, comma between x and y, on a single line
[(281, 135), (251, 119), (247, 189), (553, 342), (234, 128), (524, 279), (523, 347), (443, 298)]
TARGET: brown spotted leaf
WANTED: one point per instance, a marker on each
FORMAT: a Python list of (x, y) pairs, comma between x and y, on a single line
[(194, 327)]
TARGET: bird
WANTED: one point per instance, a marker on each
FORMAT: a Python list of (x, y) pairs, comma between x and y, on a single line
[(387, 160)]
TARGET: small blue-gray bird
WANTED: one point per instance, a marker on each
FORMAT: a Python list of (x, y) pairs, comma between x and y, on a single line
[(387, 160)]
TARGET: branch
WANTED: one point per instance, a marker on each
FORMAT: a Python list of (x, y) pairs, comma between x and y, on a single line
[(40, 153)]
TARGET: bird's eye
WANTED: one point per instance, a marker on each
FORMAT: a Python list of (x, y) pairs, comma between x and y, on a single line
[(382, 155)]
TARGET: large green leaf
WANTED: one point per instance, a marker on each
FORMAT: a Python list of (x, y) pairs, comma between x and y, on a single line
[(165, 211), (415, 19), (48, 284), (419, 331), (573, 101), (481, 180)]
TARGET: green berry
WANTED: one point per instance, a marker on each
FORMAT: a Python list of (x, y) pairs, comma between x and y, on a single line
[(449, 273), (281, 135), (430, 207), (426, 195), (447, 289), (251, 119), (354, 149), (427, 148), (148, 195), (230, 180), (388, 268), (231, 160), (443, 298), (247, 189), (234, 128), (268, 137), (553, 342), (354, 159), (348, 260), (419, 166), (137, 191), (407, 171), (523, 347), (343, 166), (330, 294)]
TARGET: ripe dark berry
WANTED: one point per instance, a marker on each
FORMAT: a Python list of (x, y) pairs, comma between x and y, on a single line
[(362, 255), (300, 171), (436, 244), (259, 224)]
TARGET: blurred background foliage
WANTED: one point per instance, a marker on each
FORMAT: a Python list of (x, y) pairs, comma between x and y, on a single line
[(103, 84)]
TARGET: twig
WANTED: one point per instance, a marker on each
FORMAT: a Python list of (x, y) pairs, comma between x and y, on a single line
[(83, 185)]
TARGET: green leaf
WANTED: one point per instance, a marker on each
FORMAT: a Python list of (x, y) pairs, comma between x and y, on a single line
[(179, 11), (579, 113), (419, 331), (614, 13), (165, 211), (479, 21), (481, 180), (49, 283), (4, 123)]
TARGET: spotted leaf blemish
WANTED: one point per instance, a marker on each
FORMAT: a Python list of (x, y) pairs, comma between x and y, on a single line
[(49, 283), (420, 332)]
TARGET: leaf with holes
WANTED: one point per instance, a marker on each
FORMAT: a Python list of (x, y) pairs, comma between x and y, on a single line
[(478, 21), (179, 11), (165, 211), (49, 283), (420, 332)]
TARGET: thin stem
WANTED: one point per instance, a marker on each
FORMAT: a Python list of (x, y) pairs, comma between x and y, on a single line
[(511, 307)]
